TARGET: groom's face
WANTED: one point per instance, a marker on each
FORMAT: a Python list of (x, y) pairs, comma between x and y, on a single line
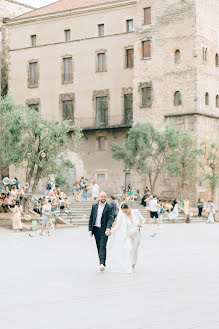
[(102, 197)]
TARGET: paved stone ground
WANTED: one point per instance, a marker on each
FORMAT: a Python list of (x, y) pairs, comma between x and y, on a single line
[(53, 283)]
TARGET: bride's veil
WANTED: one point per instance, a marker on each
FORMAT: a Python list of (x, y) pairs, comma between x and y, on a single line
[(120, 220)]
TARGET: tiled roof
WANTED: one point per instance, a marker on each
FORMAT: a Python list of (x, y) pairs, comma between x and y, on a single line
[(63, 5)]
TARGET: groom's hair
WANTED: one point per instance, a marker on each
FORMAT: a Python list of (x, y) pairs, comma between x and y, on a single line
[(125, 205)]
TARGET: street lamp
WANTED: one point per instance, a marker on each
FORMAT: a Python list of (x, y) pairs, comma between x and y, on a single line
[(43, 154), (29, 155)]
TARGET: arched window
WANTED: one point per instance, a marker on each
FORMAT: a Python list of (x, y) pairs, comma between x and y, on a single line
[(177, 98), (177, 56), (216, 60), (217, 101), (207, 99)]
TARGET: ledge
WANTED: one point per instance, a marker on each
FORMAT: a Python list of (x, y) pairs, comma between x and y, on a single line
[(116, 127), (172, 115)]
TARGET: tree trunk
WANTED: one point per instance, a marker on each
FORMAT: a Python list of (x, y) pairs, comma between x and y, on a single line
[(212, 193), (29, 175), (36, 180), (151, 185)]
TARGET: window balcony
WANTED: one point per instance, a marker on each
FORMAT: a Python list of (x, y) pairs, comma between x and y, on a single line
[(111, 122)]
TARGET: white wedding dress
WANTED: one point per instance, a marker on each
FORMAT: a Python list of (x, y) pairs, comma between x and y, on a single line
[(123, 244)]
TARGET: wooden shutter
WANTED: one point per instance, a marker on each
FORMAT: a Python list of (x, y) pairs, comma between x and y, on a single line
[(33, 67), (101, 141), (146, 48), (67, 63), (68, 110), (101, 30), (101, 111), (147, 15), (101, 62), (128, 109), (146, 97), (130, 58)]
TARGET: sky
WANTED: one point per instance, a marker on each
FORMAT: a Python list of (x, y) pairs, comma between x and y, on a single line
[(37, 3)]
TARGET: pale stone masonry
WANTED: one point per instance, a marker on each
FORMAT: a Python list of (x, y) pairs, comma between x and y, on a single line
[(175, 75)]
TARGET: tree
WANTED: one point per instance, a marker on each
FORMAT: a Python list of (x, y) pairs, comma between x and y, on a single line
[(12, 145), (28, 137), (211, 166), (181, 161), (45, 140), (145, 150)]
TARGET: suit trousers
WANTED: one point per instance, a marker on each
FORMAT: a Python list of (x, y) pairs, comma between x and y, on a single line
[(101, 242)]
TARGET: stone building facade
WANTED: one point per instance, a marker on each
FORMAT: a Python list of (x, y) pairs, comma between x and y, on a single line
[(108, 64), (8, 10)]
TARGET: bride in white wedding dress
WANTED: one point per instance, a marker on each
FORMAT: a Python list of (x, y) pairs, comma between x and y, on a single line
[(122, 249)]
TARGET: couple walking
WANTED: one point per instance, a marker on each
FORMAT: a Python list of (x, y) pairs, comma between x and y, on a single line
[(124, 233)]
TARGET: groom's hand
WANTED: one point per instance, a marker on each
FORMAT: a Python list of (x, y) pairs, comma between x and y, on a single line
[(91, 234), (108, 233)]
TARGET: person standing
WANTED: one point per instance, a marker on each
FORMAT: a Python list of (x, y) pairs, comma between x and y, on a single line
[(211, 211), (186, 211), (46, 212), (153, 206), (16, 221), (200, 205), (100, 223), (95, 190), (114, 205)]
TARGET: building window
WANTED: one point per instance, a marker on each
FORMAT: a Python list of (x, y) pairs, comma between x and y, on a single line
[(127, 179), (129, 58), (67, 69), (33, 74), (67, 35), (34, 107), (101, 177), (146, 49), (177, 98), (216, 60), (206, 98), (101, 111), (101, 30), (147, 16), (204, 55), (101, 143), (177, 56), (101, 62), (217, 101), (68, 110), (129, 25), (33, 40), (146, 94), (128, 109)]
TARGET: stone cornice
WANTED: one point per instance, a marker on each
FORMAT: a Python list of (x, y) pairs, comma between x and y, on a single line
[(118, 3), (175, 115)]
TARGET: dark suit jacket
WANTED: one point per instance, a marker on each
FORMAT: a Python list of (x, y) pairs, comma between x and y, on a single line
[(107, 218)]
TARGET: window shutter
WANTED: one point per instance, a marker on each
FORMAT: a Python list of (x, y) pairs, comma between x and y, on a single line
[(146, 49), (128, 109), (146, 97), (33, 67), (67, 62), (68, 110), (101, 62), (101, 111), (147, 15), (130, 57)]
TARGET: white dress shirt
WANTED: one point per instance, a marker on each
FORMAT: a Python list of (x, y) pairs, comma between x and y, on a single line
[(99, 214), (153, 206)]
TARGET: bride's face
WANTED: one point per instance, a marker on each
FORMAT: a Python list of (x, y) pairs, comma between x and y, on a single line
[(126, 211)]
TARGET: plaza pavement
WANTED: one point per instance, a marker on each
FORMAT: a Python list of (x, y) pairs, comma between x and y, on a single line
[(53, 282)]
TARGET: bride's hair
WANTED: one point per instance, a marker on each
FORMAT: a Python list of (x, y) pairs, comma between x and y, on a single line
[(125, 205)]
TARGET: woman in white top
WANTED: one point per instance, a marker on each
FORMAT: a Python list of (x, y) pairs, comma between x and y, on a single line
[(16, 221), (95, 190), (125, 240)]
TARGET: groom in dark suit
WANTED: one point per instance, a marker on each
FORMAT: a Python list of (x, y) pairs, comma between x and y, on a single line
[(100, 223)]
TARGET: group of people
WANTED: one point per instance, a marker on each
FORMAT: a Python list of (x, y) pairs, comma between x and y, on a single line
[(156, 207), (130, 194), (14, 199)]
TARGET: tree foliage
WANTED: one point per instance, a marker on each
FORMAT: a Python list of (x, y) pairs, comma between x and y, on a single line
[(28, 136), (210, 166), (145, 150), (181, 161)]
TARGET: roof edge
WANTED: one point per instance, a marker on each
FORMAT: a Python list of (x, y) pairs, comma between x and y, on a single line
[(19, 19), (21, 4)]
